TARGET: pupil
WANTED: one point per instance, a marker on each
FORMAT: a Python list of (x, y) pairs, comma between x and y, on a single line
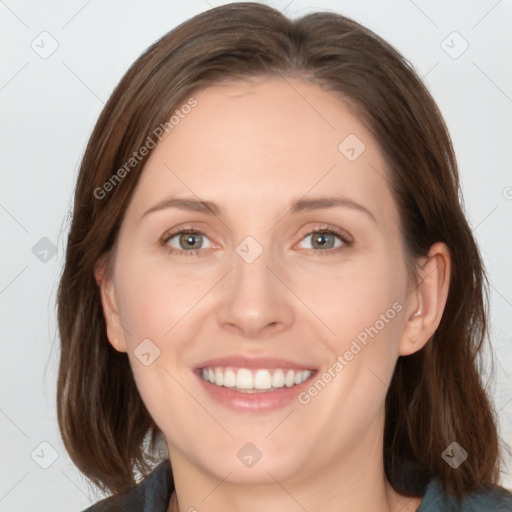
[(188, 239), (323, 240)]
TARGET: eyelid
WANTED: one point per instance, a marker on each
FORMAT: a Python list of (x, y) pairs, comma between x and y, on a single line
[(346, 239), (322, 227), (171, 233)]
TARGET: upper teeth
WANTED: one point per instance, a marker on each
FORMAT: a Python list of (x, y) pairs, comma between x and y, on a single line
[(245, 379)]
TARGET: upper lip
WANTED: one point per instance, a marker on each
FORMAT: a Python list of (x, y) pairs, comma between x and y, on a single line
[(253, 363)]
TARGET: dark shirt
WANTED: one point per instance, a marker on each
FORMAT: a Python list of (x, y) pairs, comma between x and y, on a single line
[(154, 493)]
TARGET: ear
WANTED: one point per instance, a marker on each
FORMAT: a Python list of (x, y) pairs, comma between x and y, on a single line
[(426, 302), (109, 302)]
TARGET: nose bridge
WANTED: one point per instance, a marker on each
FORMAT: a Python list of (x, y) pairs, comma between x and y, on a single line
[(254, 299), (250, 272)]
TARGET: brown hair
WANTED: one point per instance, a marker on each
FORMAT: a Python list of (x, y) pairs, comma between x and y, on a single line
[(436, 395)]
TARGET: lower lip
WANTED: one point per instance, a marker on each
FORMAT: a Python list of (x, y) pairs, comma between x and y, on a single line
[(262, 401)]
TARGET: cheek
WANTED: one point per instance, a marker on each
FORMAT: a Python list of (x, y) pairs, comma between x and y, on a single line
[(363, 308), (358, 295), (153, 299)]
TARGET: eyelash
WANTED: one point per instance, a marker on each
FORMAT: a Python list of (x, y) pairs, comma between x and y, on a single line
[(344, 237)]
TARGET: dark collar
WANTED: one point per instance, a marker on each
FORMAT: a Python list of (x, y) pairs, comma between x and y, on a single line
[(151, 495), (154, 493)]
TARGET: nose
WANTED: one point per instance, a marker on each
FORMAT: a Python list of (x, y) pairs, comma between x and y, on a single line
[(254, 302)]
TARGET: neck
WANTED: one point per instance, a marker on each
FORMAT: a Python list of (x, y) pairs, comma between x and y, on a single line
[(354, 481)]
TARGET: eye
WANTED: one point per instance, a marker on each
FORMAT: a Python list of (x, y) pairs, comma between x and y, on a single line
[(185, 241), (188, 241), (326, 239)]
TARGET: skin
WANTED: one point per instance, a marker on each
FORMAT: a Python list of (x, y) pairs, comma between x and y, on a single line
[(252, 148)]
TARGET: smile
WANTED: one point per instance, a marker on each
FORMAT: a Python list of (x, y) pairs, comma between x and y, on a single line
[(254, 380)]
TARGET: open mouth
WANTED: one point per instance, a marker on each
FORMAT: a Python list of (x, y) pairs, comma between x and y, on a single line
[(261, 380)]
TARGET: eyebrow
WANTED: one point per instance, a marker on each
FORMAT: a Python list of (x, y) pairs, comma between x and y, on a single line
[(296, 206)]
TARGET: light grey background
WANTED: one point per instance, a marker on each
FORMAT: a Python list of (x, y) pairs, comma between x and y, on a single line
[(49, 106)]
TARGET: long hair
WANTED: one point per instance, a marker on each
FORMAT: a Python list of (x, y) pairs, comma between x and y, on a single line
[(436, 395)]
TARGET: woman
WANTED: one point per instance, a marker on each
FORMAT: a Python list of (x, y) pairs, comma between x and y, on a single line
[(269, 271)]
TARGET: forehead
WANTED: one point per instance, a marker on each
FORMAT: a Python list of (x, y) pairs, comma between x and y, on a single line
[(246, 138)]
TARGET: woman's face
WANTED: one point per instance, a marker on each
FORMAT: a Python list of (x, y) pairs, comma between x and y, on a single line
[(250, 296)]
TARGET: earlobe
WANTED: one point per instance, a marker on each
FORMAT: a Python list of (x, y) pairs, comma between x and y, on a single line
[(426, 302), (109, 302)]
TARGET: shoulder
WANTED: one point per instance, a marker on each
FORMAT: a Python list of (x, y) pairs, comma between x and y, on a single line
[(496, 499), (151, 495)]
